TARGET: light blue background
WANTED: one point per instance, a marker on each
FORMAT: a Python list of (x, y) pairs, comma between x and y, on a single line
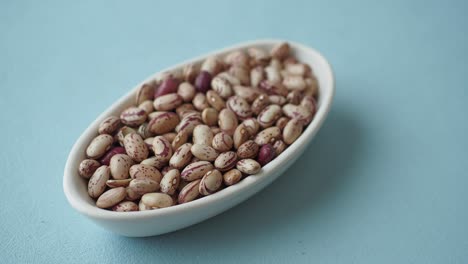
[(385, 180)]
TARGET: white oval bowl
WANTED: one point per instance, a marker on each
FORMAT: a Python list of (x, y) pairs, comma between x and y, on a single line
[(160, 221)]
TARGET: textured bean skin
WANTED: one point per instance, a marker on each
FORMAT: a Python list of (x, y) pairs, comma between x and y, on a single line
[(195, 130)]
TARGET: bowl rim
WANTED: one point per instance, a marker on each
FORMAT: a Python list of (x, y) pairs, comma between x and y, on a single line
[(78, 203)]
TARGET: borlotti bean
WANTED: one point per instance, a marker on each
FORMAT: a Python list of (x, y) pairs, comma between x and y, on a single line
[(192, 132)]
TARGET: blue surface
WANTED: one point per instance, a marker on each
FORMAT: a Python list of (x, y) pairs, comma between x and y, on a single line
[(385, 181)]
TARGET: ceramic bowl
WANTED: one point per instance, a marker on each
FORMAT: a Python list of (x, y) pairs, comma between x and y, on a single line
[(160, 221)]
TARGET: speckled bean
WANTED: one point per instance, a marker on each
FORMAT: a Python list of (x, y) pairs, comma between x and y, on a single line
[(111, 197), (182, 156), (167, 102), (97, 182), (196, 170), (125, 206), (170, 182), (133, 116), (88, 167), (119, 166), (109, 125), (248, 150), (99, 145), (202, 135), (135, 147), (163, 122), (190, 192), (248, 166), (268, 135), (141, 171), (232, 177), (211, 182), (226, 161)]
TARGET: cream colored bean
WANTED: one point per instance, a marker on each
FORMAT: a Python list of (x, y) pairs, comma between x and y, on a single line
[(292, 131), (227, 121), (259, 104), (212, 65), (163, 122), (109, 125), (196, 170), (135, 147), (125, 206), (147, 106), (232, 177), (189, 122), (269, 115), (202, 135), (221, 86), (252, 125), (204, 152), (190, 192), (241, 135), (297, 112), (186, 91), (139, 187), (248, 93), (155, 162), (200, 102), (294, 82), (143, 171), (210, 116), (145, 92), (257, 75), (248, 166), (273, 75), (298, 69), (88, 167), (99, 146), (119, 166), (167, 102), (226, 161), (211, 182), (268, 135), (118, 183), (97, 182), (277, 99), (180, 139), (162, 148), (151, 201), (309, 103), (111, 197), (182, 156), (170, 182), (239, 106), (133, 116), (222, 142)]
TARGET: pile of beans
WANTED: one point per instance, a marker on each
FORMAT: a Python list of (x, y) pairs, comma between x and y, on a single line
[(193, 132)]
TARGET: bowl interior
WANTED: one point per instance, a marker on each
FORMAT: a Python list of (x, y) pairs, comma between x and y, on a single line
[(75, 187)]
